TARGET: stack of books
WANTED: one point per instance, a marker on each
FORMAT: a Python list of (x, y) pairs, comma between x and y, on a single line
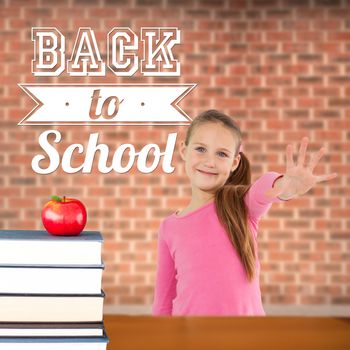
[(50, 291)]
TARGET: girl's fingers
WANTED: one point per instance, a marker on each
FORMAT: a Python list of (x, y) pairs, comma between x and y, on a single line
[(289, 153), (321, 178), (316, 158), (302, 151)]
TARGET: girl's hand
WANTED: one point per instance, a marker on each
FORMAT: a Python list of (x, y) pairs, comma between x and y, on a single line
[(299, 178)]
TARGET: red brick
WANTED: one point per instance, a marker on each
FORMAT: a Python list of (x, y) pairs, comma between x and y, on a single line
[(339, 36)]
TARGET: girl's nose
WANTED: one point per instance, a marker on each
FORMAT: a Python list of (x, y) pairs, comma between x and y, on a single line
[(209, 160)]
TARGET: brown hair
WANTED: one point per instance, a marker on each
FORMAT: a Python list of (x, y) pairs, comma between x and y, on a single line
[(229, 199)]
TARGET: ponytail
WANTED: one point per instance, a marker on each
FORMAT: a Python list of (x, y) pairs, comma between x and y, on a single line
[(233, 215)]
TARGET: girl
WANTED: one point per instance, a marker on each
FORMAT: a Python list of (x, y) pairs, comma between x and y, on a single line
[(207, 254)]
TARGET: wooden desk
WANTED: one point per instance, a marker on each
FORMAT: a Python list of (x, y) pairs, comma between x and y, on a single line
[(220, 333)]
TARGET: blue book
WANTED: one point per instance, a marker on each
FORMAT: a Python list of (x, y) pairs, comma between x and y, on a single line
[(54, 343), (38, 247)]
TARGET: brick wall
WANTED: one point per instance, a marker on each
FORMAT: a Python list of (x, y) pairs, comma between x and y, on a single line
[(281, 68)]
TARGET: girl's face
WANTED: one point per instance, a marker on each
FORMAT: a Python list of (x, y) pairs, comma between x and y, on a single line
[(209, 156)]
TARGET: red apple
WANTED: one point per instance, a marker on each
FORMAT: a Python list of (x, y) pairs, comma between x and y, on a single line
[(64, 216)]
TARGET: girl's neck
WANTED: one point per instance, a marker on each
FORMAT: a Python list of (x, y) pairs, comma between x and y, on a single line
[(197, 202)]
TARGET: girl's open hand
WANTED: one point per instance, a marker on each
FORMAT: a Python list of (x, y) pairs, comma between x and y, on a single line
[(299, 178)]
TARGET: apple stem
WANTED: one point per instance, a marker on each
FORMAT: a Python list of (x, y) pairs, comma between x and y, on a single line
[(64, 199)]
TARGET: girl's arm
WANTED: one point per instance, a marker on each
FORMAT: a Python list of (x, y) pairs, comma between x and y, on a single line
[(256, 201), (299, 178), (165, 288)]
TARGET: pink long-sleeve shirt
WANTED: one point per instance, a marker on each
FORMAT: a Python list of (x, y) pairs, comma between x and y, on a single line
[(199, 272)]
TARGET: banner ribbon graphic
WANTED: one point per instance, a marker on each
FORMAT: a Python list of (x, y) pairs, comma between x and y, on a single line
[(108, 104)]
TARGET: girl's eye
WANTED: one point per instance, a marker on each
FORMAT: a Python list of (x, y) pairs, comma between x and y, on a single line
[(223, 154)]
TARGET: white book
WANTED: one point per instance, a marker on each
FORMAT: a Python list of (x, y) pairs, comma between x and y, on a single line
[(51, 329), (51, 308), (43, 279), (30, 247), (54, 343)]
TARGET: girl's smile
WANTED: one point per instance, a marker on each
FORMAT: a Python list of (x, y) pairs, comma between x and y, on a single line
[(206, 173)]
